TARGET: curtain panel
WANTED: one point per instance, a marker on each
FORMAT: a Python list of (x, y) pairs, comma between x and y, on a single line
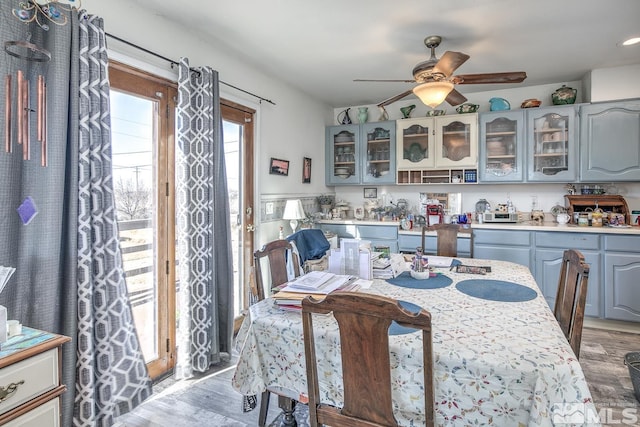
[(205, 270), (69, 278), (112, 375)]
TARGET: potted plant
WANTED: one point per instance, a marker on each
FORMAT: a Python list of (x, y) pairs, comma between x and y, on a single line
[(326, 202)]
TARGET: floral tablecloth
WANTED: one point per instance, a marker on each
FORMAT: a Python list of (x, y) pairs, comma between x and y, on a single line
[(496, 363)]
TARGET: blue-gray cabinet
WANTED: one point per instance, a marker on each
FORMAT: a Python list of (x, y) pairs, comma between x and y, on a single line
[(552, 144), (610, 141), (621, 273), (342, 154), (550, 247), (530, 145), (501, 146), (504, 245), (361, 154)]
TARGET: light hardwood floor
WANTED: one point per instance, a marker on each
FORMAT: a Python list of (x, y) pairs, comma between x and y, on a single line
[(209, 400)]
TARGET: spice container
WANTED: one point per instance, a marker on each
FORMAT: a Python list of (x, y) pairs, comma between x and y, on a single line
[(596, 218), (583, 219)]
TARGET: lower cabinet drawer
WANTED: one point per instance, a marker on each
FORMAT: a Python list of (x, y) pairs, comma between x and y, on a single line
[(31, 377), (45, 415)]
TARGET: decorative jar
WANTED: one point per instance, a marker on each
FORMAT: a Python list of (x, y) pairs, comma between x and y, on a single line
[(564, 95)]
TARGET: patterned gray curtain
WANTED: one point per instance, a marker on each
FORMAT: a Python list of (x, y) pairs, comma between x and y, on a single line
[(205, 271), (69, 278), (112, 376)]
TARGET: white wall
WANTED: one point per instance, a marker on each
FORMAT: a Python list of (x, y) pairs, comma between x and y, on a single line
[(290, 130), (615, 83)]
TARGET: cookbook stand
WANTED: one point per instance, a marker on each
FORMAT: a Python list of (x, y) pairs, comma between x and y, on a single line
[(606, 202)]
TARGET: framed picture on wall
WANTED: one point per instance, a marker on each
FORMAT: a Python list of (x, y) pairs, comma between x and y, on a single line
[(306, 170), (370, 193), (279, 167)]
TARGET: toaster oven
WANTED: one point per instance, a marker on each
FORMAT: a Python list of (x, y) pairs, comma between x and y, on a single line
[(500, 217)]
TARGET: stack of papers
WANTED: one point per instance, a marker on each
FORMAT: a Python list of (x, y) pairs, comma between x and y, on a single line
[(313, 283), (5, 275)]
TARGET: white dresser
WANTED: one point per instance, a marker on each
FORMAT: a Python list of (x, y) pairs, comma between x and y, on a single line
[(30, 387)]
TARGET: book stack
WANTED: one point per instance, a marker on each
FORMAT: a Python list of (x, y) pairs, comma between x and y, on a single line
[(382, 268), (316, 283)]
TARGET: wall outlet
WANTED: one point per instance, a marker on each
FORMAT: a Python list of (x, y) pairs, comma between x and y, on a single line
[(268, 208)]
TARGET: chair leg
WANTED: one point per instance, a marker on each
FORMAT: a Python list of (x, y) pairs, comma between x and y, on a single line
[(264, 408), (288, 406)]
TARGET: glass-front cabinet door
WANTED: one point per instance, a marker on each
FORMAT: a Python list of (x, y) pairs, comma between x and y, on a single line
[(415, 146), (379, 152), (457, 140), (552, 144), (343, 155), (501, 146)]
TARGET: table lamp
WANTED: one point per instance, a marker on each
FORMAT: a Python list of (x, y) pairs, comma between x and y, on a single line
[(293, 211)]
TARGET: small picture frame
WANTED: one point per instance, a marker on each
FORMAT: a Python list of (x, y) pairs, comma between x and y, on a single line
[(279, 167), (306, 170), (370, 193)]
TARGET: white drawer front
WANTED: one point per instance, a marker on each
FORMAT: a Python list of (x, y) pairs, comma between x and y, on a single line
[(39, 373), (45, 415)]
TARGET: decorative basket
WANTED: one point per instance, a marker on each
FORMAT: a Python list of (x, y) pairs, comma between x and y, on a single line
[(632, 360)]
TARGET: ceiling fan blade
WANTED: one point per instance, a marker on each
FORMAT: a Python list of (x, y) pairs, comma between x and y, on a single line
[(395, 98), (473, 79), (455, 98), (449, 62), (382, 80)]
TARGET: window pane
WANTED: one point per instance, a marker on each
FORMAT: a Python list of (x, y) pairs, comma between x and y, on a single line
[(134, 135)]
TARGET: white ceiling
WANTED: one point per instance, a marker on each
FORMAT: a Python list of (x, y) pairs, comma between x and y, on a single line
[(322, 45)]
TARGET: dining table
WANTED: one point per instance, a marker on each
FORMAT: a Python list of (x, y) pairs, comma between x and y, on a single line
[(500, 358)]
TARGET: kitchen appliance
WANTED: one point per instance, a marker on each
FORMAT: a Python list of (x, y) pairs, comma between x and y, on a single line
[(434, 214), (500, 217)]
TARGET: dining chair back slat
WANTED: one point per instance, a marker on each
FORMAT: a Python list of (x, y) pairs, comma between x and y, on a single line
[(276, 253), (571, 297), (447, 238), (363, 321)]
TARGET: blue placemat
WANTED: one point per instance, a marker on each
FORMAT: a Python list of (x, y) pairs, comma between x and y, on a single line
[(496, 290), (394, 328), (406, 281)]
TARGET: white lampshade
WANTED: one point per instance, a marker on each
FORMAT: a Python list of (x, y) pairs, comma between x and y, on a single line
[(294, 211), (433, 93)]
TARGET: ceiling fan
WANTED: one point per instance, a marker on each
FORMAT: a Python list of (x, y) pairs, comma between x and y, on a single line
[(436, 80)]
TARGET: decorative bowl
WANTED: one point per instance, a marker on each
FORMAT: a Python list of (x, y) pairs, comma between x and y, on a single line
[(467, 108), (499, 104), (530, 103), (420, 275), (433, 113)]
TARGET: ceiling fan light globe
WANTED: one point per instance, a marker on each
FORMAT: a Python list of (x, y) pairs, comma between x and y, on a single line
[(433, 93)]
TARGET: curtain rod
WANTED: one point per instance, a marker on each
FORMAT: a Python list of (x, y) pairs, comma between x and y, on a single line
[(172, 62)]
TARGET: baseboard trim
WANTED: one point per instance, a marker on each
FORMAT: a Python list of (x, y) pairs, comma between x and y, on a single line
[(612, 325)]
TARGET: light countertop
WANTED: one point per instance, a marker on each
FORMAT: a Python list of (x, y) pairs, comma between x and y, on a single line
[(524, 226)]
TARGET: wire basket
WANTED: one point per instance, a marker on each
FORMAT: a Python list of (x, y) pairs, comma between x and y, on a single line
[(632, 360)]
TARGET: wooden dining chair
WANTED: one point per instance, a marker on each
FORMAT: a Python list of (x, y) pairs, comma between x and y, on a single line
[(571, 297), (363, 320), (447, 238), (274, 255)]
